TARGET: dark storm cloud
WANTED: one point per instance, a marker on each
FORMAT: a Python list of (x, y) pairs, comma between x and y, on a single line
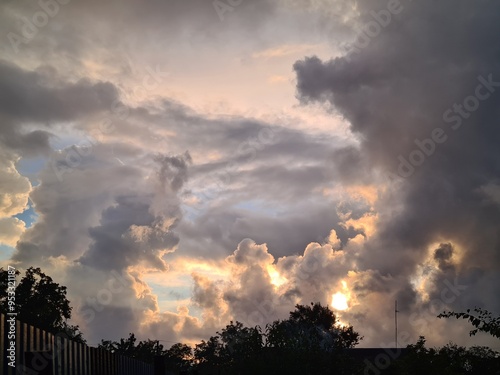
[(174, 170), (443, 256), (32, 96), (251, 155), (398, 90), (73, 28), (112, 247), (103, 218), (40, 98), (31, 143), (205, 292), (406, 297), (288, 232), (349, 165), (69, 208), (137, 227), (293, 159), (203, 16)]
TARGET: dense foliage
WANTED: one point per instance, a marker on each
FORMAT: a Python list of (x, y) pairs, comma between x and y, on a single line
[(482, 320), (310, 341), (448, 360), (40, 301)]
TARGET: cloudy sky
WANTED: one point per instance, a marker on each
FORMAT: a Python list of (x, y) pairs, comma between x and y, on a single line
[(181, 163)]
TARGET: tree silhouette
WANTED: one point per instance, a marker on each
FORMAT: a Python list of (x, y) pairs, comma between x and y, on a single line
[(309, 341), (450, 359), (315, 314), (209, 352), (179, 357), (235, 348), (483, 321), (313, 327), (146, 350), (40, 302)]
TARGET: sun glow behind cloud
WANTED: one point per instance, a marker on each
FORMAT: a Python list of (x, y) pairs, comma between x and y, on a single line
[(276, 279), (339, 301)]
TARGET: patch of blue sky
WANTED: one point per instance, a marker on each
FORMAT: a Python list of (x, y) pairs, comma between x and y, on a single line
[(203, 201), (6, 252), (62, 141), (191, 212), (29, 216), (206, 199), (258, 206), (171, 297), (30, 167), (170, 293), (195, 311)]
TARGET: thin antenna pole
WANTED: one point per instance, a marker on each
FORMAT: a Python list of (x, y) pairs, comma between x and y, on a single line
[(396, 322)]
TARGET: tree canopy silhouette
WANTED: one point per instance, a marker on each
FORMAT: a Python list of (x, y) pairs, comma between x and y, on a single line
[(40, 302), (483, 320), (313, 327)]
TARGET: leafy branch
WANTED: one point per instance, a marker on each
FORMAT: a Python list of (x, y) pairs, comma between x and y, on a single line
[(482, 320)]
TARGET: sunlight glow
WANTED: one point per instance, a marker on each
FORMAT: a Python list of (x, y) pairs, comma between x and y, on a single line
[(276, 279), (339, 301)]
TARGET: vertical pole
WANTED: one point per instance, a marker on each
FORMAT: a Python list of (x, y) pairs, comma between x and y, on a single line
[(396, 322)]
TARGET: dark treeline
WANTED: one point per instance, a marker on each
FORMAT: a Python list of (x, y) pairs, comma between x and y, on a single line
[(309, 341)]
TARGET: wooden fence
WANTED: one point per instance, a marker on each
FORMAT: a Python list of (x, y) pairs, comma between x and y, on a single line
[(38, 352)]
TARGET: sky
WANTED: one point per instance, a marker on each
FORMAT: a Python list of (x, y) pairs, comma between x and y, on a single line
[(178, 164)]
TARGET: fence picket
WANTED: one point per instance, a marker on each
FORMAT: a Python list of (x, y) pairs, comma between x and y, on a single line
[(67, 357)]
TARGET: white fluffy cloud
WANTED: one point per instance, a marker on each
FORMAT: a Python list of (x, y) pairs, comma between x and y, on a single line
[(14, 189), (11, 229)]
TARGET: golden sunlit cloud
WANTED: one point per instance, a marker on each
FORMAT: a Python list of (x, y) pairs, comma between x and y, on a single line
[(367, 223), (423, 280)]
